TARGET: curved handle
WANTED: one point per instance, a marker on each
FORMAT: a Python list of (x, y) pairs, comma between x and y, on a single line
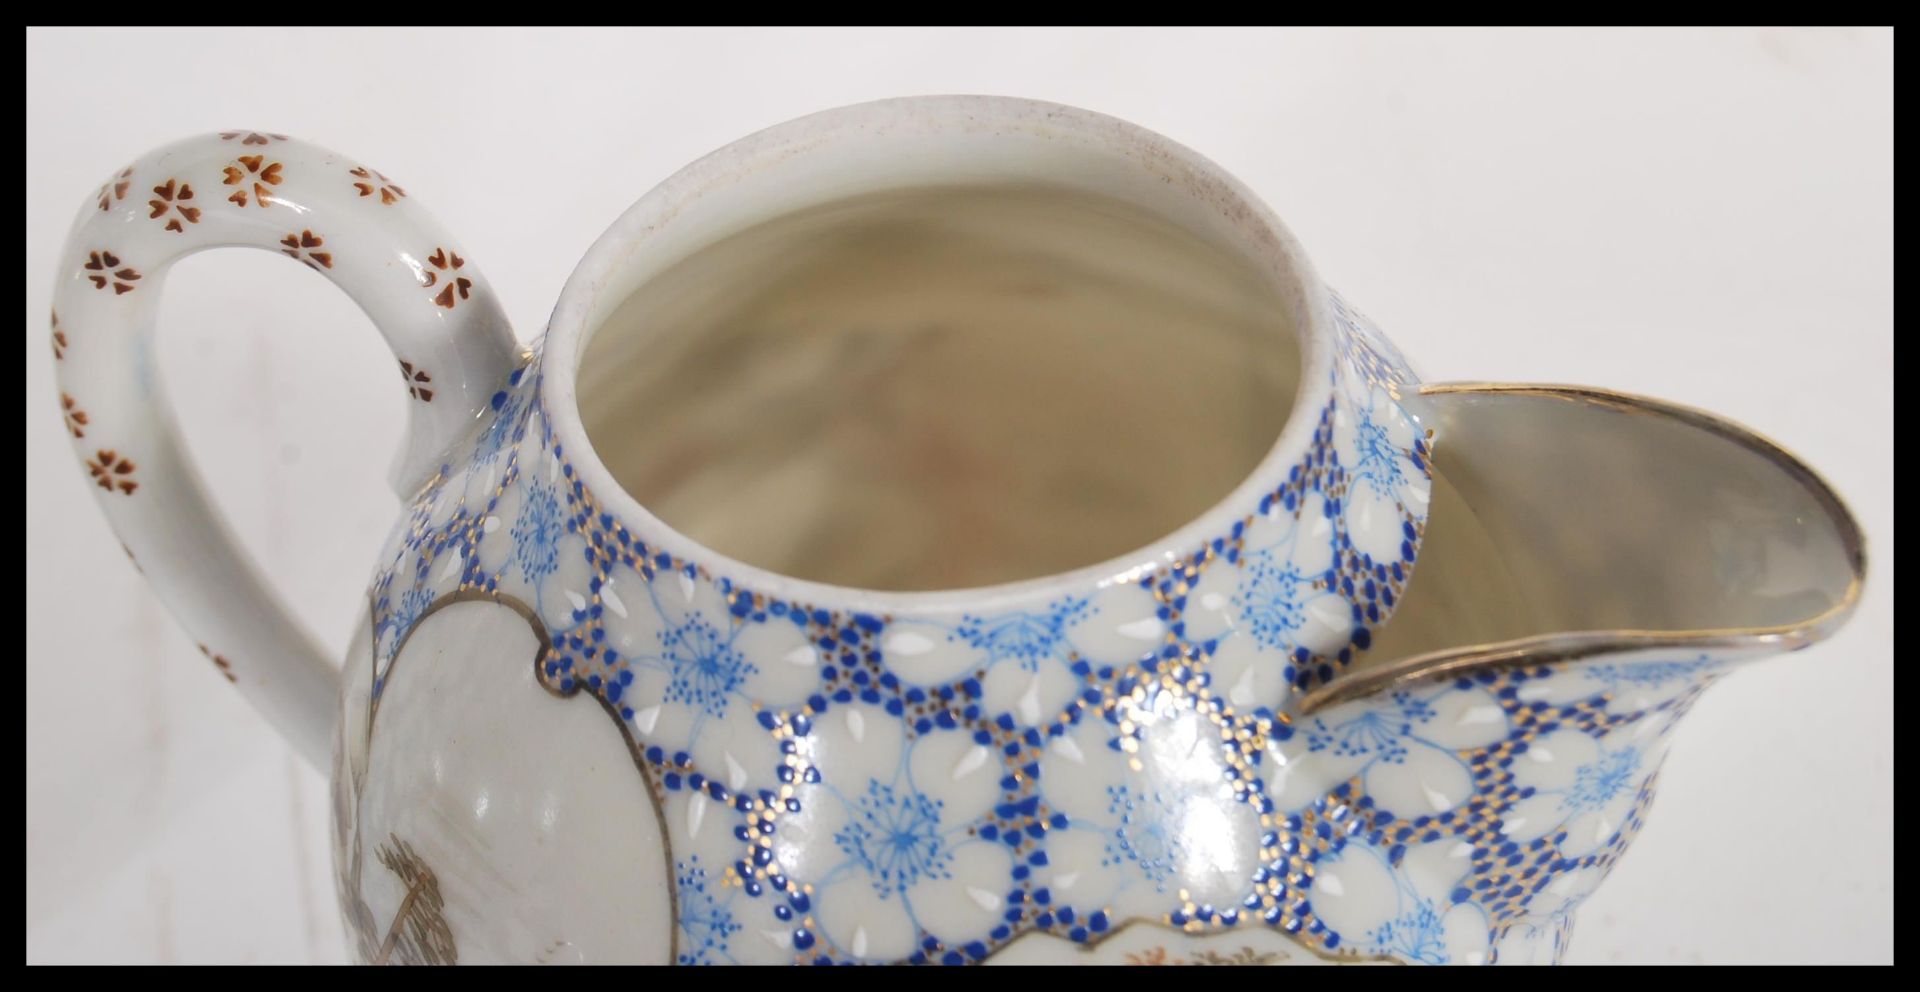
[(344, 220)]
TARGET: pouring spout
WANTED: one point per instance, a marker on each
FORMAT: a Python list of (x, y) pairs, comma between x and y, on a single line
[(1591, 562), (1570, 523)]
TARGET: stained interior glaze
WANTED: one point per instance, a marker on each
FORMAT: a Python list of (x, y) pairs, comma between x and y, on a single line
[(941, 387)]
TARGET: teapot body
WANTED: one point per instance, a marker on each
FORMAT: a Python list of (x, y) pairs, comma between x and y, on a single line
[(592, 749)]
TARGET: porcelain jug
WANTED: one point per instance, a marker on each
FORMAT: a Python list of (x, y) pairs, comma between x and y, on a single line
[(950, 530)]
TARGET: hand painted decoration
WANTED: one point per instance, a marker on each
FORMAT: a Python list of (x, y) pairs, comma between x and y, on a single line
[(569, 734)]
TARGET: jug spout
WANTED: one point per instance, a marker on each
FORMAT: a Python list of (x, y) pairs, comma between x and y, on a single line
[(1570, 523), (1591, 562)]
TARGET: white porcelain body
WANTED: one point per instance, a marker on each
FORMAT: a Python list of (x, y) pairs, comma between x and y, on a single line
[(570, 734)]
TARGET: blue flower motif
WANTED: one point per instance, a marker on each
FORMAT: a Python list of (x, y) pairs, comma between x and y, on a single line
[(1386, 463), (895, 835), (1580, 788), (1272, 599), (706, 670), (406, 611), (1602, 781), (1026, 662), (537, 533), (1409, 902), (1373, 736), (706, 923), (1381, 462), (1145, 833), (1407, 753), (1416, 935), (1026, 638), (891, 832), (1649, 674), (696, 677), (1281, 598), (1151, 822)]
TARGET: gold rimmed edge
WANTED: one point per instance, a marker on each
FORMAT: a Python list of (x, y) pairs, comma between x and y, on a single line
[(1576, 645)]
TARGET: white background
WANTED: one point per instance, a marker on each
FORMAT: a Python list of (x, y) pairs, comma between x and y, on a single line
[(1704, 216)]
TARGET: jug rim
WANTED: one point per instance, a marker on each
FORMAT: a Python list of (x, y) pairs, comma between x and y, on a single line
[(1575, 645), (573, 317)]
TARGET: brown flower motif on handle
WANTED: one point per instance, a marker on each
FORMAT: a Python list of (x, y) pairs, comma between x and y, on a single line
[(112, 472), (115, 189), (447, 264), (76, 417), (417, 380), (370, 182), (173, 198), (254, 171), (104, 269), (301, 246)]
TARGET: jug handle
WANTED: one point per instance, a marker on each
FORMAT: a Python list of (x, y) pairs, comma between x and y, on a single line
[(352, 225)]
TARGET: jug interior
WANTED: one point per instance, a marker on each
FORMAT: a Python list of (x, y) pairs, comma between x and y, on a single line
[(942, 387), (1559, 510)]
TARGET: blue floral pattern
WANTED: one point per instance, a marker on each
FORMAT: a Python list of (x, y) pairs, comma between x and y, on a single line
[(846, 786), (537, 533), (706, 669), (1027, 664), (1403, 910), (1025, 638), (1380, 465), (707, 926), (1145, 833), (1273, 600), (1405, 749), (1603, 780), (895, 836)]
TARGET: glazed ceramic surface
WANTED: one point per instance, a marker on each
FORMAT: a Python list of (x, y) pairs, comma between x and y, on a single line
[(569, 733)]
